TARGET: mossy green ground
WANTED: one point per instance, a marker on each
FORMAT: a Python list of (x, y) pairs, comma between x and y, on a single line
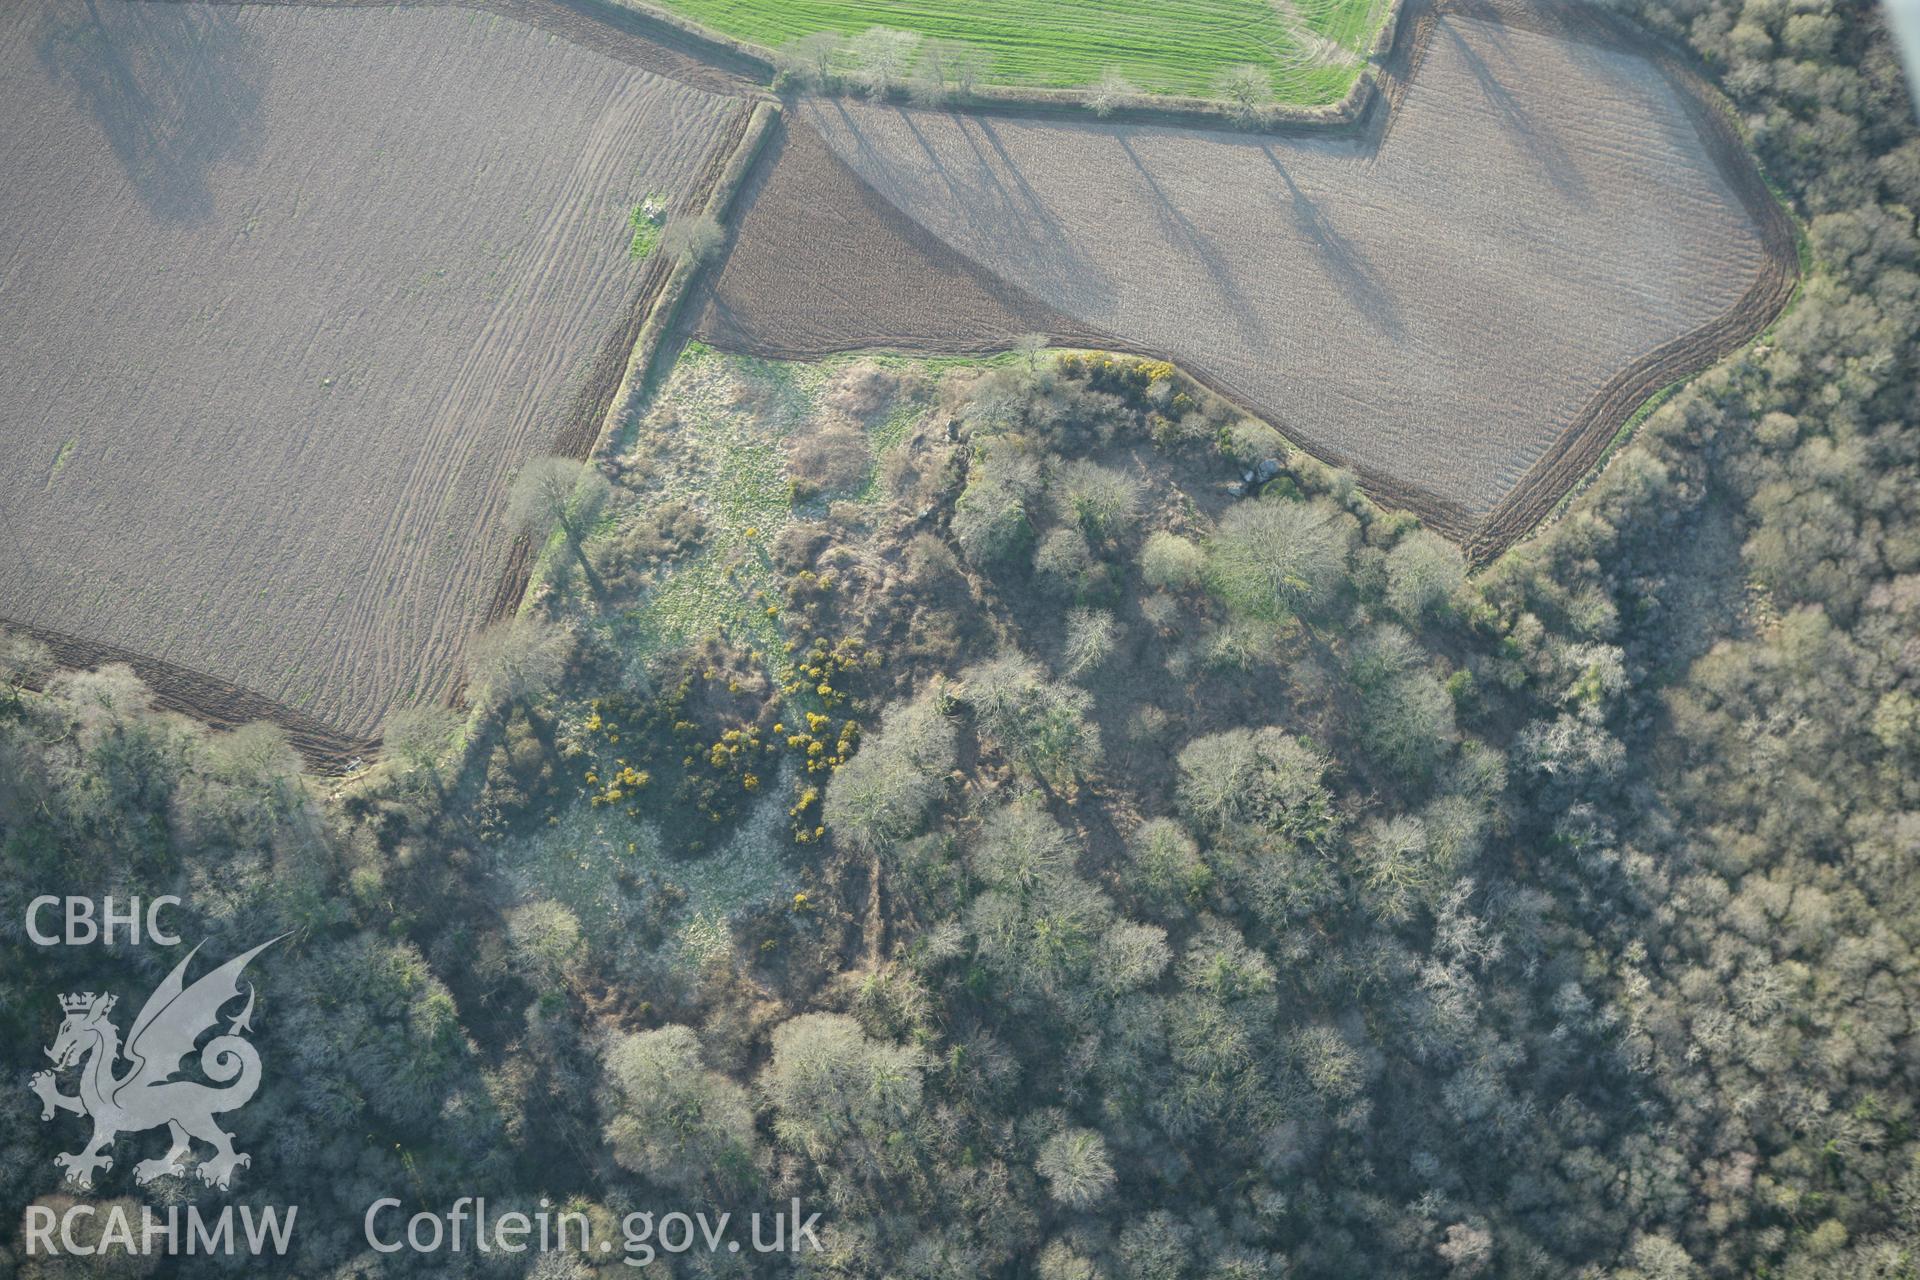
[(1311, 47)]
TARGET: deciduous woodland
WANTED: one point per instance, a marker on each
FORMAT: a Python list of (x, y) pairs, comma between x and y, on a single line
[(1036, 814)]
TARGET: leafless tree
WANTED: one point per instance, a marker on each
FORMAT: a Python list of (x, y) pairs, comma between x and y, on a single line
[(1110, 93), (1247, 93), (517, 661), (561, 493), (883, 56), (809, 62)]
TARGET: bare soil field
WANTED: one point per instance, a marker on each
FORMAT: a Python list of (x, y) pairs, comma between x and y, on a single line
[(867, 269), (1463, 299), (289, 294)]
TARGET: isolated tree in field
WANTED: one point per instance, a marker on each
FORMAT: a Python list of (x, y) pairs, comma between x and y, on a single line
[(882, 56), (669, 1117), (882, 795), (1273, 558), (809, 61), (1076, 1167), (693, 238), (1110, 93), (1247, 92), (517, 661)]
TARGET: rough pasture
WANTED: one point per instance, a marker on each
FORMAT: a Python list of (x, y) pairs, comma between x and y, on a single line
[(289, 293), (1456, 300)]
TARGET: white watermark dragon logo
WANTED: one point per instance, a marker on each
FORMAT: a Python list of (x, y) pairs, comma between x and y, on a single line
[(148, 1095)]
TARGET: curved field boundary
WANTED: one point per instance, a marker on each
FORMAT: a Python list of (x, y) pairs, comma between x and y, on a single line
[(733, 323), (1587, 439), (980, 312), (212, 701), (1586, 442), (603, 28)]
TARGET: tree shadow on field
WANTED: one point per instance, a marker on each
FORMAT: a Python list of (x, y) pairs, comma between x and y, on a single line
[(1524, 126), (176, 91), (985, 191), (1181, 230), (1341, 257)]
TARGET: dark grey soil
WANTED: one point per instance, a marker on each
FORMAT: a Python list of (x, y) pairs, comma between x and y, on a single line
[(289, 293)]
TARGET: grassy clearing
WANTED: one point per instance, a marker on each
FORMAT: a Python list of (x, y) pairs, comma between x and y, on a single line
[(735, 416), (1311, 47)]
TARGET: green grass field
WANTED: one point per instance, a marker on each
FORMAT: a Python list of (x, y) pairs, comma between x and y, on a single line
[(1313, 48)]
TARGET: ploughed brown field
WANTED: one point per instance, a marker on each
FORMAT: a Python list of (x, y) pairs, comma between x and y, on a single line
[(289, 293), (1463, 299)]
